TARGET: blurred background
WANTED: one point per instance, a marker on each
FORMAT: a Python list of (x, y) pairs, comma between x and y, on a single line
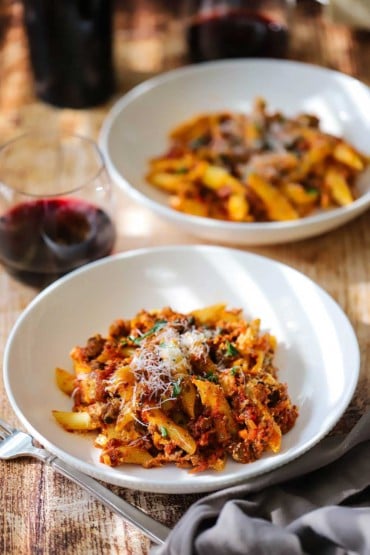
[(148, 38)]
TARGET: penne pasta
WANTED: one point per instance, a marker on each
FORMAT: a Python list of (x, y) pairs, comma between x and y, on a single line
[(256, 167), (189, 389)]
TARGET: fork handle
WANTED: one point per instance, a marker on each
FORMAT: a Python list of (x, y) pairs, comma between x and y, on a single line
[(154, 530)]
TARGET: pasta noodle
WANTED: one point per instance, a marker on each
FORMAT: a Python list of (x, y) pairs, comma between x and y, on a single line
[(256, 167), (189, 389)]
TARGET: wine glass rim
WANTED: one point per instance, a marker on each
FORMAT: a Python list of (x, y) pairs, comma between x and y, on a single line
[(30, 133)]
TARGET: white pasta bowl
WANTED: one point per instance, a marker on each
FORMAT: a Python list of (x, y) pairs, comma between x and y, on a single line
[(317, 351), (137, 129)]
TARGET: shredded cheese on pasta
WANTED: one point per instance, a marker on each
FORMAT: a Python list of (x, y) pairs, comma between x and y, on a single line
[(189, 389)]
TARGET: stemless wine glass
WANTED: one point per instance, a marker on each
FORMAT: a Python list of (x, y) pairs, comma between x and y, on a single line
[(218, 29), (56, 206)]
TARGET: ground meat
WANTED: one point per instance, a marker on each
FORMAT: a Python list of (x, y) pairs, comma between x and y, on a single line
[(94, 346), (110, 411), (119, 328)]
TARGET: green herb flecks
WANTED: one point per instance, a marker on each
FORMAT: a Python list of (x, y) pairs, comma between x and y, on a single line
[(176, 388), (211, 377), (157, 327), (163, 431), (182, 170), (231, 350), (198, 142), (312, 191)]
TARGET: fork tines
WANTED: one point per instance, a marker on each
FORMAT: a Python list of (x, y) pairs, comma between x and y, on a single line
[(5, 429)]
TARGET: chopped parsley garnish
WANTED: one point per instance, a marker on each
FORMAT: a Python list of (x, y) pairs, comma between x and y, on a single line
[(163, 431), (198, 142), (231, 350), (211, 377), (157, 327), (234, 370), (312, 191), (176, 388), (182, 170), (135, 340)]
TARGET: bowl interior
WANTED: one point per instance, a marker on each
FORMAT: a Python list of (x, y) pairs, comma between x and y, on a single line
[(138, 127), (317, 354)]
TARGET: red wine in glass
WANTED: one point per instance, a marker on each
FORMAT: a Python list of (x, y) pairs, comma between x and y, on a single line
[(43, 239), (235, 33)]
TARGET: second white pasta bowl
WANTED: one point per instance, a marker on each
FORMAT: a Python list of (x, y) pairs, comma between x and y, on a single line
[(137, 129)]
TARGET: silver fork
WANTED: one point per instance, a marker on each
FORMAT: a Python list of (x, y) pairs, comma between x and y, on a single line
[(15, 443)]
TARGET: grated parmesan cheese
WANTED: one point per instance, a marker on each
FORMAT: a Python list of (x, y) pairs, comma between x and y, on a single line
[(162, 358)]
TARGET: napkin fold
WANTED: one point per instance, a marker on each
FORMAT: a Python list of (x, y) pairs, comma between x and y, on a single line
[(318, 504)]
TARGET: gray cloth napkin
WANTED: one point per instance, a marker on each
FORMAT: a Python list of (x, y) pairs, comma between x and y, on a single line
[(318, 504)]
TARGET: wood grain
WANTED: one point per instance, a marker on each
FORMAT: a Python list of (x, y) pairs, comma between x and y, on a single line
[(41, 512)]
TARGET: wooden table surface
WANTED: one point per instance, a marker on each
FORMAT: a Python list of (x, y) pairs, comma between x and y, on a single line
[(41, 512)]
